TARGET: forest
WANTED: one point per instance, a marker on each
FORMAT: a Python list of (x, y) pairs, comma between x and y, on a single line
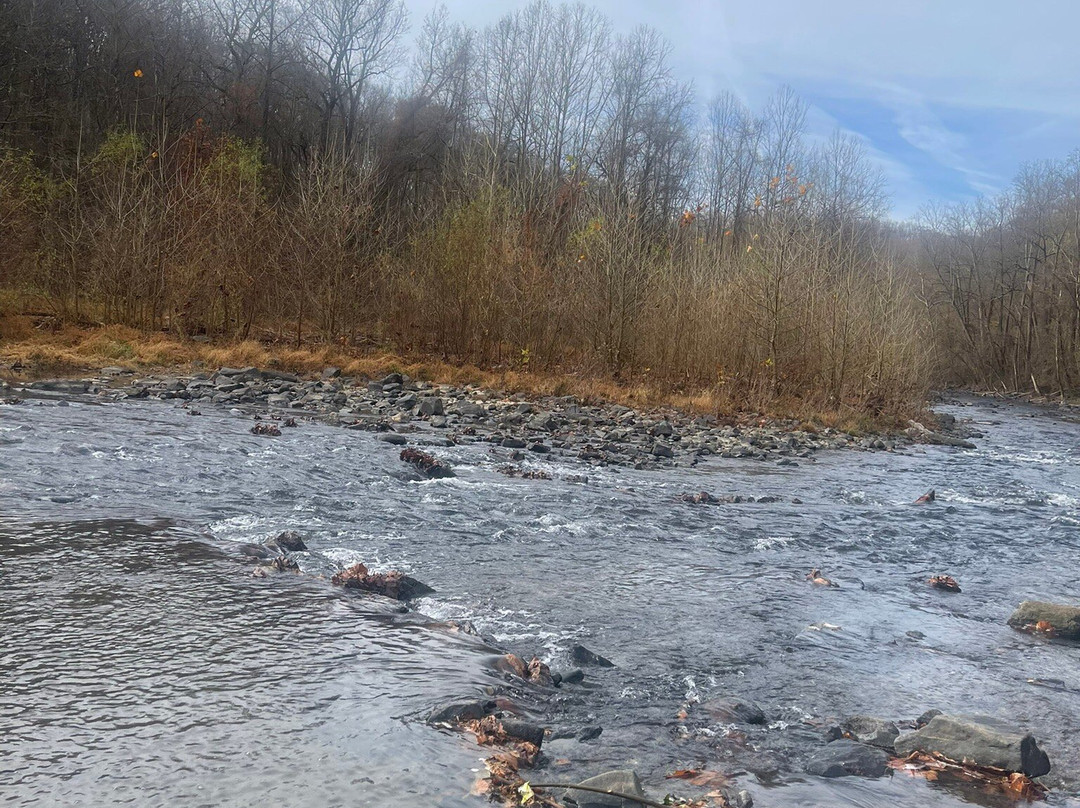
[(542, 194)]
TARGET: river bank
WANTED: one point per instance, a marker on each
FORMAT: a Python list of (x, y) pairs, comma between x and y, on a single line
[(517, 426), (39, 347)]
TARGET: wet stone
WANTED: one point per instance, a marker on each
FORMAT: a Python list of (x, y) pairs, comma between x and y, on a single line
[(845, 758)]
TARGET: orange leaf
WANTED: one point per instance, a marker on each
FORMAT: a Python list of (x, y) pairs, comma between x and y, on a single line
[(699, 777)]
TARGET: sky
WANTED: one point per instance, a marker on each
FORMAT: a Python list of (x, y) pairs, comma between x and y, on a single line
[(951, 97)]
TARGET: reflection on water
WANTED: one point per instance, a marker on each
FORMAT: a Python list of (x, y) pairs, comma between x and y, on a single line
[(141, 665)]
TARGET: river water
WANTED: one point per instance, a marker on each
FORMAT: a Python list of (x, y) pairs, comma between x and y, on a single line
[(141, 664)]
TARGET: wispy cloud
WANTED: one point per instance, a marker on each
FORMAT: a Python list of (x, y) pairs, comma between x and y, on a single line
[(951, 98)]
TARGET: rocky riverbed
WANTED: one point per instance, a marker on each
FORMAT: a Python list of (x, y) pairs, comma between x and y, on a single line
[(405, 410), (659, 645)]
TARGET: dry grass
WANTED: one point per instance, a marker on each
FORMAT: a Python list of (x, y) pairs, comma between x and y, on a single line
[(71, 350)]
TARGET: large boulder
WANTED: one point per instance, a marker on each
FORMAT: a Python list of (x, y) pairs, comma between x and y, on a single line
[(977, 741), (1050, 618), (845, 758), (622, 781), (870, 730)]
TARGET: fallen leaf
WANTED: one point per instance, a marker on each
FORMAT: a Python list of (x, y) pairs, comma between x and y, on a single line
[(526, 792), (700, 777)]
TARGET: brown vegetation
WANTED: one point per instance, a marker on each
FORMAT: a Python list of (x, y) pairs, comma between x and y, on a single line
[(537, 197)]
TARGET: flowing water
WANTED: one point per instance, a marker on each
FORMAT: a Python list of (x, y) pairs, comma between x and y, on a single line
[(140, 664)]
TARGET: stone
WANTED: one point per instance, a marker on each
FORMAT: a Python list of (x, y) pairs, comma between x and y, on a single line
[(1050, 618), (590, 733), (523, 730), (977, 740), (393, 584), (734, 711), (392, 438), (545, 422), (573, 677), (469, 409), (845, 758), (583, 656), (461, 711), (623, 781), (662, 450), (426, 464), (330, 373), (289, 541), (256, 551), (870, 730), (738, 798), (430, 405), (513, 443), (926, 717)]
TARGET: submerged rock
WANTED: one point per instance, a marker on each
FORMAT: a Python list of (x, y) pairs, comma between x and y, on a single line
[(977, 741), (700, 498), (461, 711), (583, 656), (393, 584), (845, 758), (280, 564), (870, 730), (622, 781), (1048, 618), (523, 730), (572, 677), (734, 710)]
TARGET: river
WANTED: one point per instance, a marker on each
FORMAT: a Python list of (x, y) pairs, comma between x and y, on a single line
[(141, 664)]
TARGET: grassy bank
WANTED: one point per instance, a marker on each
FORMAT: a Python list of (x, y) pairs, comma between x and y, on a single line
[(36, 347)]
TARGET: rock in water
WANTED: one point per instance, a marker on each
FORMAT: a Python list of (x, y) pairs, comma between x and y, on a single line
[(524, 730), (1049, 618), (870, 730), (460, 712), (623, 781), (734, 711), (289, 540), (583, 656), (843, 758), (391, 584), (926, 718), (426, 464), (977, 741), (944, 582)]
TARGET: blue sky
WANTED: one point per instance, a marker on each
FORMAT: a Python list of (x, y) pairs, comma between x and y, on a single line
[(950, 96)]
